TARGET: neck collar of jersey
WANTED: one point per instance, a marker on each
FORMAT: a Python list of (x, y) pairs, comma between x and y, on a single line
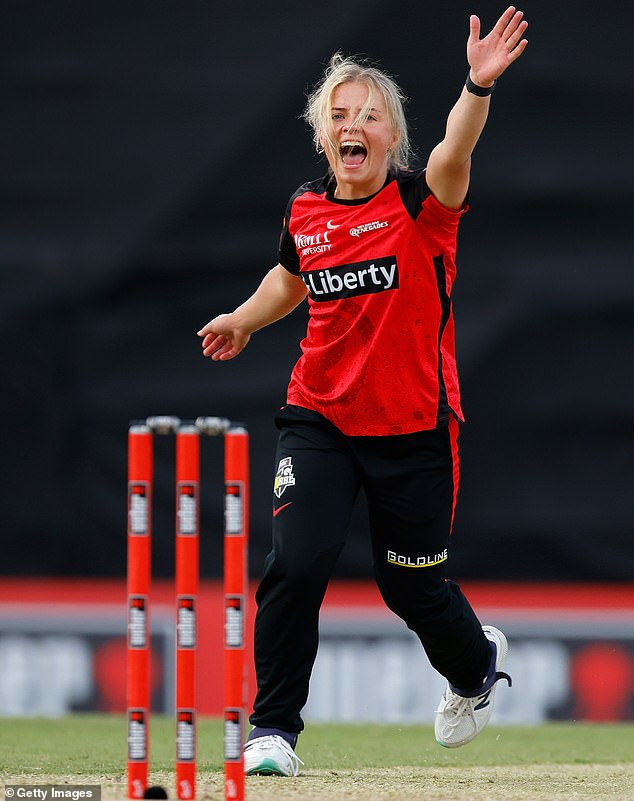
[(330, 183)]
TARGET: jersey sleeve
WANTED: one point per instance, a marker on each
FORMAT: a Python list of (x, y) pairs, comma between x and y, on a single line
[(413, 189), (287, 252)]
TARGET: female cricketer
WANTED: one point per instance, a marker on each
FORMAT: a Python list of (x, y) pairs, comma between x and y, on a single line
[(373, 402)]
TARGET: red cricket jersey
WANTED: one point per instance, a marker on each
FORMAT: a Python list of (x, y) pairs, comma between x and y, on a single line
[(379, 353)]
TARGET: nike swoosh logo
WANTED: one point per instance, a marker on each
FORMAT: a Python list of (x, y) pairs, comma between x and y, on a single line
[(279, 508), (331, 225)]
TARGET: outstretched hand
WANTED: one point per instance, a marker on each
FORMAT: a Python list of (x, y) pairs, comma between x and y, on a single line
[(489, 57), (222, 339)]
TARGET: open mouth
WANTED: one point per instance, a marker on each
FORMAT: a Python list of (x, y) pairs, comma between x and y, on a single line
[(352, 152)]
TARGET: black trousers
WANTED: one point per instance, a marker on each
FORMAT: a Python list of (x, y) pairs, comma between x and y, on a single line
[(411, 483)]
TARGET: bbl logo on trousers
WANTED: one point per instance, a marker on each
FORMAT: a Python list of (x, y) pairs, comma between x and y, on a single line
[(284, 477)]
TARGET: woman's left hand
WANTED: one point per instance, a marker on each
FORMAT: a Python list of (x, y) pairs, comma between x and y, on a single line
[(489, 57)]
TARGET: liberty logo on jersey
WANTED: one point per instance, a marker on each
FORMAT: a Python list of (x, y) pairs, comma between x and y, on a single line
[(350, 280)]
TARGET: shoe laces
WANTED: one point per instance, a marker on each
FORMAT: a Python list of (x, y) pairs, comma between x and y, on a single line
[(275, 742), (457, 705)]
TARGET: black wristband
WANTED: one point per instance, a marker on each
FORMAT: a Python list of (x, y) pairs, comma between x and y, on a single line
[(479, 91)]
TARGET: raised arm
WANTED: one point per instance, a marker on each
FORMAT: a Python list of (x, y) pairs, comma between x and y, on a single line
[(228, 334), (449, 165)]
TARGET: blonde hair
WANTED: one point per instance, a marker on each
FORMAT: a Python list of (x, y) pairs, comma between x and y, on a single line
[(348, 69)]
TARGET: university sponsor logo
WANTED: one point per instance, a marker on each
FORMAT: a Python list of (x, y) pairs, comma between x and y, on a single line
[(284, 477), (375, 225), (416, 561), (315, 243), (349, 280)]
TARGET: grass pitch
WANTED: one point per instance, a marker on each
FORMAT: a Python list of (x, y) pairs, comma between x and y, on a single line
[(555, 762)]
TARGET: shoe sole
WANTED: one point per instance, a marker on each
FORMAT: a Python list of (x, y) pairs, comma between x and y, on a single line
[(266, 768), (501, 644)]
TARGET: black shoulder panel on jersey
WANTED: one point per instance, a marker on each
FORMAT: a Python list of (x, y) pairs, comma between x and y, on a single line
[(413, 190), (287, 252)]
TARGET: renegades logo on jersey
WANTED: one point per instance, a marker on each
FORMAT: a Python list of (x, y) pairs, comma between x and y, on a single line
[(350, 280)]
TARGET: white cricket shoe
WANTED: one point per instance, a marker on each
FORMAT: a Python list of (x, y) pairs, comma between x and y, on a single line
[(271, 755), (460, 718)]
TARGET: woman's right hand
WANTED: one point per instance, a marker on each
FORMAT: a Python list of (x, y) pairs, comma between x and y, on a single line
[(223, 338)]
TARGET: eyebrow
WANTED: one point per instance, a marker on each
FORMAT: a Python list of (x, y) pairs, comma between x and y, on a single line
[(346, 108)]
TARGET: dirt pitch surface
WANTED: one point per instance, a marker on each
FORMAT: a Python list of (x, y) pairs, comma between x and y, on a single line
[(513, 783)]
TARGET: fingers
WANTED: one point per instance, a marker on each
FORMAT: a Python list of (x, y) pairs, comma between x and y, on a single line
[(227, 351), (518, 50), (502, 24), (222, 339), (474, 28), (214, 326), (508, 31), (212, 341), (212, 344), (220, 349), (205, 330), (513, 40), (514, 28)]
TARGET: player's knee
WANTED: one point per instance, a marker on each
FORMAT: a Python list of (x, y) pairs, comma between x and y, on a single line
[(300, 578), (409, 602)]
